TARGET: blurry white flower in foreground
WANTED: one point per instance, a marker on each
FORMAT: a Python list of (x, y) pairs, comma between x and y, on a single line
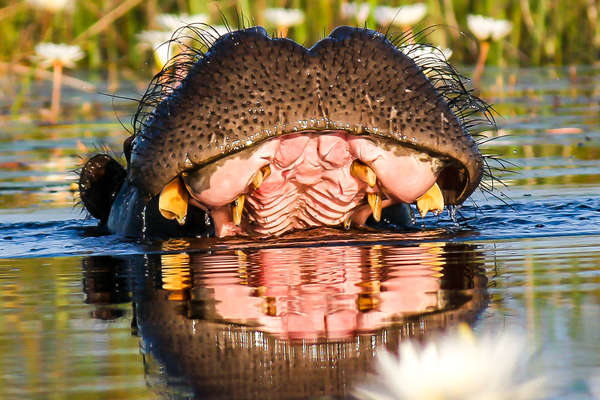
[(359, 11), (457, 366), (172, 22), (284, 17), (485, 28), (426, 53), (51, 53), (401, 16), (52, 5)]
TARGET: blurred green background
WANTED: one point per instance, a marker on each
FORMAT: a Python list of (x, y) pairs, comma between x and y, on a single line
[(544, 32)]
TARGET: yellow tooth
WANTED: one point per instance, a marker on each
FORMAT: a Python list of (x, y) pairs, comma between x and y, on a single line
[(363, 172), (432, 200), (238, 208), (375, 203), (173, 201), (347, 222), (260, 176)]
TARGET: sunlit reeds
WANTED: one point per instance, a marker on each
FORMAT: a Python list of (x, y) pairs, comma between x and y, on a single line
[(109, 32)]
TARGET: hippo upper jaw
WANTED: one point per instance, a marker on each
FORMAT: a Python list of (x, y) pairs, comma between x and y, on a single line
[(249, 87)]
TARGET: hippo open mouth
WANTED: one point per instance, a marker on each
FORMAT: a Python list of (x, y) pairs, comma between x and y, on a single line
[(265, 136)]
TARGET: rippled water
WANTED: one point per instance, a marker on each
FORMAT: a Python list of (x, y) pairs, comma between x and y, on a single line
[(88, 315)]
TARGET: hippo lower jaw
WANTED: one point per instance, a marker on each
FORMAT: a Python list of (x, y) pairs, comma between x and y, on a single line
[(305, 180)]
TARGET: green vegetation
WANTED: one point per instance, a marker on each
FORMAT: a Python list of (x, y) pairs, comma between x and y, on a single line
[(544, 31)]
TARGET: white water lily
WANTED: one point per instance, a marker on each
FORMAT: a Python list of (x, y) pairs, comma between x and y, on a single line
[(165, 43), (160, 42), (52, 5), (485, 28), (154, 37), (456, 366), (284, 17), (173, 22), (400, 16), (51, 53), (359, 11), (59, 56), (426, 53)]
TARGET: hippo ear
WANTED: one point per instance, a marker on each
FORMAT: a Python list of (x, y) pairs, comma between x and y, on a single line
[(127, 148), (100, 180)]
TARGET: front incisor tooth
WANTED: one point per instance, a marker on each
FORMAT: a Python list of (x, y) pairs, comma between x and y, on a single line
[(260, 176), (238, 208), (173, 201), (432, 200), (362, 171), (375, 204)]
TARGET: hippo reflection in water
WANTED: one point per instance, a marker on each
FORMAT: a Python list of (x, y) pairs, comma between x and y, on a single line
[(261, 136), (272, 324)]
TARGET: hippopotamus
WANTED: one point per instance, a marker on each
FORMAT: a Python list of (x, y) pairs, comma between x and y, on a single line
[(260, 136)]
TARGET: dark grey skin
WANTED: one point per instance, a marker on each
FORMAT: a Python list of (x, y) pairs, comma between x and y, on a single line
[(249, 87)]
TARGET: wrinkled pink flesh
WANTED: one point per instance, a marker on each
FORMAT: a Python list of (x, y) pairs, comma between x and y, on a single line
[(310, 183)]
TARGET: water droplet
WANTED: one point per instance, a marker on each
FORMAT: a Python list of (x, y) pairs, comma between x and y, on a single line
[(187, 163), (413, 219), (144, 228), (452, 209)]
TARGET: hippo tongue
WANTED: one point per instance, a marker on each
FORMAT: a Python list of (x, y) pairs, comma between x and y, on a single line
[(309, 179)]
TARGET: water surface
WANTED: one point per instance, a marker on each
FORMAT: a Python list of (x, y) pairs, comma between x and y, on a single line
[(90, 315)]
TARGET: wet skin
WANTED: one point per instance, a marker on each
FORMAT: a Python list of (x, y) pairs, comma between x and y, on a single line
[(261, 136)]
